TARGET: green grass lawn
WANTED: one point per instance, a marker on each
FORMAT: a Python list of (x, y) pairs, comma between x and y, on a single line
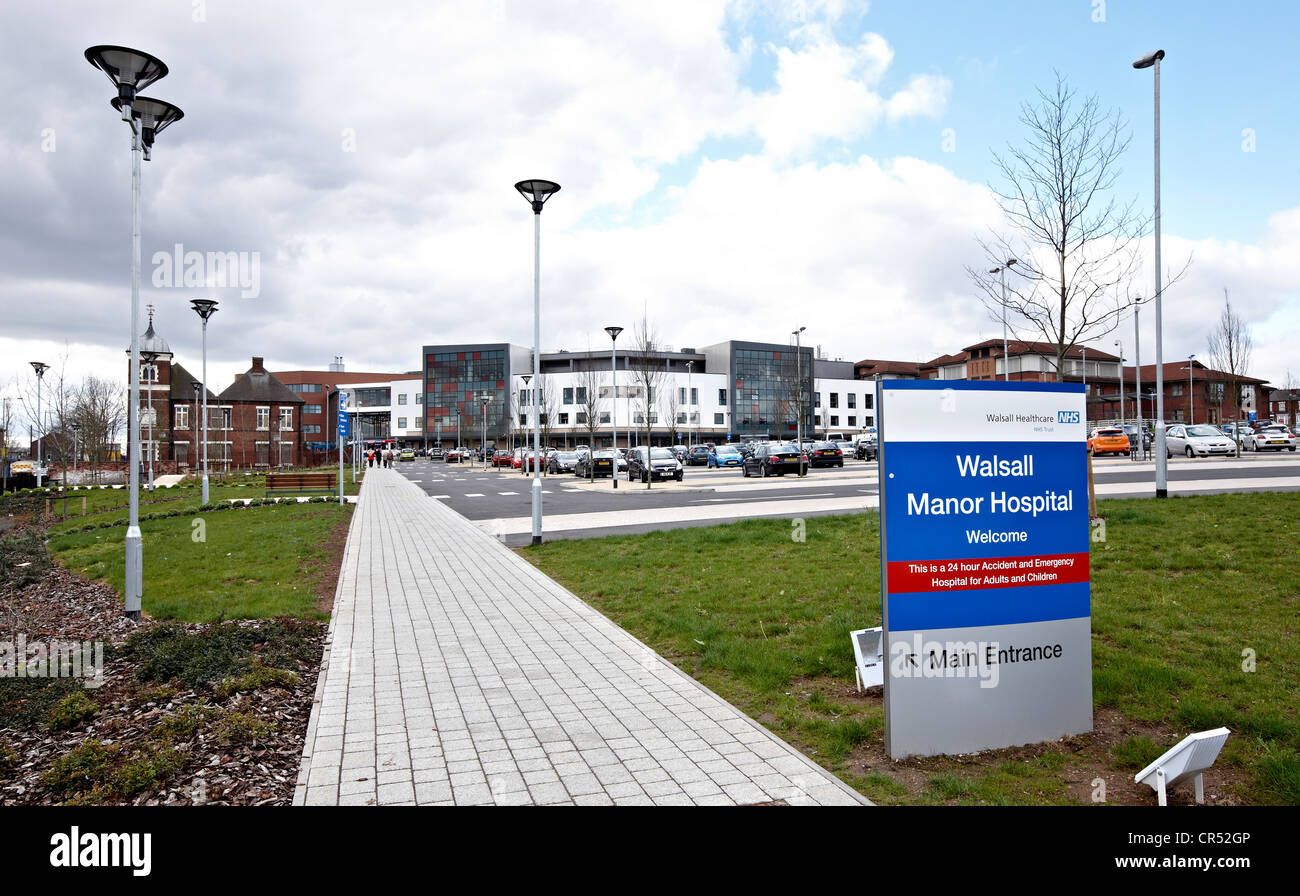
[(1181, 588), (256, 562)]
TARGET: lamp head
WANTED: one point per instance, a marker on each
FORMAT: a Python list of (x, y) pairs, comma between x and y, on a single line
[(154, 116), (204, 308), (130, 71), (613, 332), (40, 368), (537, 192), (1149, 59)]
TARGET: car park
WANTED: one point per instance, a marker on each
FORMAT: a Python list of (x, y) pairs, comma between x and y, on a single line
[(1108, 440), (725, 456), (846, 448), (865, 449), (645, 464), (562, 462), (595, 463), (825, 454), (1271, 438), (772, 459), (1197, 440)]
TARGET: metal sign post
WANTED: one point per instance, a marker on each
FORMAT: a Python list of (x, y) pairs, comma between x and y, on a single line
[(343, 431)]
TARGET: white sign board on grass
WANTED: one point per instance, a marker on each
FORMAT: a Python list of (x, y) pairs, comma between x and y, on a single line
[(984, 564)]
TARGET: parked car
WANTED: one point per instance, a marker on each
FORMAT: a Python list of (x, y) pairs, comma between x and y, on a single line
[(1270, 438), (562, 462), (865, 449), (725, 456), (645, 464), (595, 463), (825, 454), (435, 454), (406, 454), (456, 455), (772, 459), (1108, 440), (698, 456), (846, 448), (1197, 440), (680, 452), (526, 460)]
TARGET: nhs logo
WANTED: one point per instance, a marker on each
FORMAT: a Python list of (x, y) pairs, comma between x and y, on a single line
[(1067, 416)]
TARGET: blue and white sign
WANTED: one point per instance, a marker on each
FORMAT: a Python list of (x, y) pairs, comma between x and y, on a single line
[(984, 564), (343, 424)]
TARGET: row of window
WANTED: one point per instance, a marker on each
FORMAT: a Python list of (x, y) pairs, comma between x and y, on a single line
[(219, 418), (850, 400)]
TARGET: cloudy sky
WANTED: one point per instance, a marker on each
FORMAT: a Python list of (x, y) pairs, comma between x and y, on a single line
[(734, 169)]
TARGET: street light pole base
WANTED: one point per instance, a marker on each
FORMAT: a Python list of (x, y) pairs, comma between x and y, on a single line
[(1162, 493), (205, 488), (537, 540), (133, 615), (134, 579)]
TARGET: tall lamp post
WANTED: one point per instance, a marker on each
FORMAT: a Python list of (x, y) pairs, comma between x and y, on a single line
[(484, 399), (40, 369), (537, 192), (132, 71), (613, 399), (528, 416), (1191, 390), (1137, 373), (689, 440), (205, 308), (76, 444), (195, 425), (1006, 356), (798, 393), (1152, 60)]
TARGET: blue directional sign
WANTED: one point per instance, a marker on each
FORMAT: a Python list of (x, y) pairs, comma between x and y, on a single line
[(343, 424)]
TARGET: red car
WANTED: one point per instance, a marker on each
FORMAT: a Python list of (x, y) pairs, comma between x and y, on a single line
[(503, 459)]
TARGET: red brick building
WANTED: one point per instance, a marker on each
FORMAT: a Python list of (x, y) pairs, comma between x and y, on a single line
[(319, 390), (260, 421), (1284, 406)]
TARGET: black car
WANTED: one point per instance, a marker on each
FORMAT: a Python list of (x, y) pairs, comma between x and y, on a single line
[(660, 464), (562, 462), (698, 456), (772, 459), (598, 463), (825, 454), (865, 450)]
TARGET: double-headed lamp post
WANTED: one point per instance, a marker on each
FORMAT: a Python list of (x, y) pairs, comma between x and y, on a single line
[(613, 402), (537, 192), (1006, 357), (205, 308), (1152, 60), (40, 369), (798, 393), (132, 71)]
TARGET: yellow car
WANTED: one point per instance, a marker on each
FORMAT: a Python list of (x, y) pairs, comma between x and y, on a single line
[(1108, 440)]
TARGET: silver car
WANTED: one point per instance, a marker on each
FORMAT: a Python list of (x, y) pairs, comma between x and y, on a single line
[(1197, 440), (1270, 438)]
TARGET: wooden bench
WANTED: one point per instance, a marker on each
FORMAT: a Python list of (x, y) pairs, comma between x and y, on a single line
[(299, 483)]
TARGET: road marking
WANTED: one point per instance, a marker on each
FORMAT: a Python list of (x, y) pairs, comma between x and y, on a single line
[(507, 493), (440, 496), (473, 495)]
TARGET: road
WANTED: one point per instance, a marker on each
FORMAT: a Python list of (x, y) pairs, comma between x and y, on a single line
[(499, 502)]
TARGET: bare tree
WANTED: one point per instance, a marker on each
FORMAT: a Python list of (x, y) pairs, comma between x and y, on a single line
[(1230, 347), (546, 407), (101, 412), (672, 406), (648, 373), (1077, 249), (589, 407)]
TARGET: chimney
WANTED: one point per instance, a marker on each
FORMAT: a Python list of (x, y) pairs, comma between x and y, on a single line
[(257, 365)]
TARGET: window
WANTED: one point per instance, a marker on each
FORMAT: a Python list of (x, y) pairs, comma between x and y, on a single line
[(419, 398), (401, 423), (568, 395), (852, 400), (401, 398), (853, 421), (1177, 389), (866, 403), (564, 419), (717, 419), (582, 417), (311, 409), (582, 395), (695, 395), (681, 418), (681, 395), (835, 399), (722, 398), (604, 417), (817, 399), (286, 418), (182, 417), (263, 450), (182, 452), (305, 387), (311, 429), (835, 421), (263, 418)]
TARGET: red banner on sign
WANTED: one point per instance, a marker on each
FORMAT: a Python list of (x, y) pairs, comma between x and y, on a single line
[(911, 576)]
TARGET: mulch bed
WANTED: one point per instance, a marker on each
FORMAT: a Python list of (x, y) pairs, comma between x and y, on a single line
[(163, 742)]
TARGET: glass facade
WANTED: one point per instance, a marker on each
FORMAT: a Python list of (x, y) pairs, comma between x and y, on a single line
[(765, 397), (454, 381)]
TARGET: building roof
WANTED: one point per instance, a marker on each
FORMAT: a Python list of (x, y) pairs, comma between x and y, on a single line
[(869, 367), (1177, 371), (182, 386), (259, 386), (1047, 349)]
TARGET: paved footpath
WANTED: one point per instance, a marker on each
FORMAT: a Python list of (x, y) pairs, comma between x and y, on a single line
[(456, 673)]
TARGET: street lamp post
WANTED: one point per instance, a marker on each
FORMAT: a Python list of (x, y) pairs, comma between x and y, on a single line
[(76, 444), (798, 393), (528, 417), (484, 399), (1137, 374), (194, 427), (1152, 60), (40, 369), (613, 402), (132, 71), (1120, 345), (1006, 355), (537, 192), (205, 308), (689, 440), (1191, 389)]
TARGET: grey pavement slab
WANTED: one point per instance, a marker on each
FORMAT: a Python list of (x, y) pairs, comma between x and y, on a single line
[(456, 673)]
